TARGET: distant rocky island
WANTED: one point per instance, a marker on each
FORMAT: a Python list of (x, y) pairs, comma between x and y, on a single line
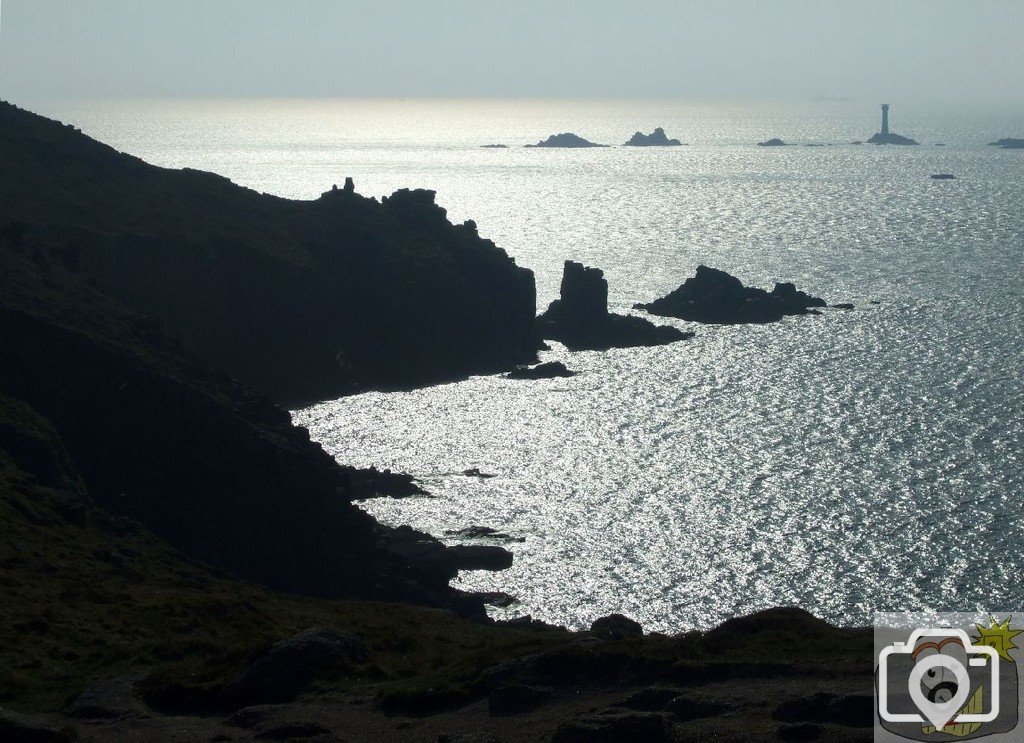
[(714, 296), (657, 138), (494, 146), (566, 139), (580, 320), (1008, 143), (887, 137), (774, 142)]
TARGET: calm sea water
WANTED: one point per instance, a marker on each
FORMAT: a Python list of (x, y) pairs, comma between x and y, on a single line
[(849, 463)]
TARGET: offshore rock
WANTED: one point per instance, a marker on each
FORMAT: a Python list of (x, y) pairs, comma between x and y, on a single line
[(656, 138), (891, 138), (566, 139), (714, 296), (580, 319), (1008, 143), (774, 142)]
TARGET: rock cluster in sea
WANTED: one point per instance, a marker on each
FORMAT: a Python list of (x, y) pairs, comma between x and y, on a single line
[(774, 142), (580, 319), (714, 296), (566, 139), (657, 138)]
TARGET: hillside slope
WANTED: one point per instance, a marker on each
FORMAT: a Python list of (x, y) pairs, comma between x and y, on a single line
[(304, 299), (211, 466)]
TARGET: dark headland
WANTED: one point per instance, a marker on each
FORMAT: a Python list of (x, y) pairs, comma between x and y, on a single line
[(180, 562)]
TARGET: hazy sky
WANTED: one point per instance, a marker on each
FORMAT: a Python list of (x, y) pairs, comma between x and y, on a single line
[(923, 50)]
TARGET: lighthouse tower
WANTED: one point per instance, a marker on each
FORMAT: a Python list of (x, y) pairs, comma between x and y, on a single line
[(885, 118)]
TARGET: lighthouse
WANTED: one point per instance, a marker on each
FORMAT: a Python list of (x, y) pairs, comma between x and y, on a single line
[(885, 118)]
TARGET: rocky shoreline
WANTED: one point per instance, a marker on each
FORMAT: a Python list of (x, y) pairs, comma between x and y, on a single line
[(181, 562)]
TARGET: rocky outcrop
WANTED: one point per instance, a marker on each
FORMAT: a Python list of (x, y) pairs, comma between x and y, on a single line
[(714, 296), (548, 370), (566, 139), (774, 142), (616, 627), (657, 138), (288, 667), (307, 300), (494, 146), (580, 318), (1008, 143), (891, 138), (943, 177)]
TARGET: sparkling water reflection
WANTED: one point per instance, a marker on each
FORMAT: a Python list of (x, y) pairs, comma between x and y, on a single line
[(862, 460)]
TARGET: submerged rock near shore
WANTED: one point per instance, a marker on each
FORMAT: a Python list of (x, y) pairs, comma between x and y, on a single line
[(566, 139), (580, 318), (657, 138), (714, 296)]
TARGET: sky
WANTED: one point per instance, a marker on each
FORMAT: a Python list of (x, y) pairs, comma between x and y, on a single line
[(944, 51)]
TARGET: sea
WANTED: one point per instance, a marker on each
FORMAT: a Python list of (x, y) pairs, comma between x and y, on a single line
[(859, 461)]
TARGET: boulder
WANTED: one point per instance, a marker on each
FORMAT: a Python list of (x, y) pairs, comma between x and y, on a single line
[(548, 370), (774, 142), (616, 627), (515, 699), (566, 139), (714, 296), (851, 710), (113, 699), (802, 732), (656, 138), (629, 727), (20, 728), (288, 667), (579, 318)]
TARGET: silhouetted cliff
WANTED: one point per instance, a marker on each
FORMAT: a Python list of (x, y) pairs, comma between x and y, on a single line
[(305, 299), (214, 468)]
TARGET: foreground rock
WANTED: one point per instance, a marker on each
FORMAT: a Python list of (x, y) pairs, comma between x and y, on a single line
[(656, 138), (566, 139), (616, 627), (290, 665), (548, 370), (580, 319), (1008, 143), (714, 296)]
